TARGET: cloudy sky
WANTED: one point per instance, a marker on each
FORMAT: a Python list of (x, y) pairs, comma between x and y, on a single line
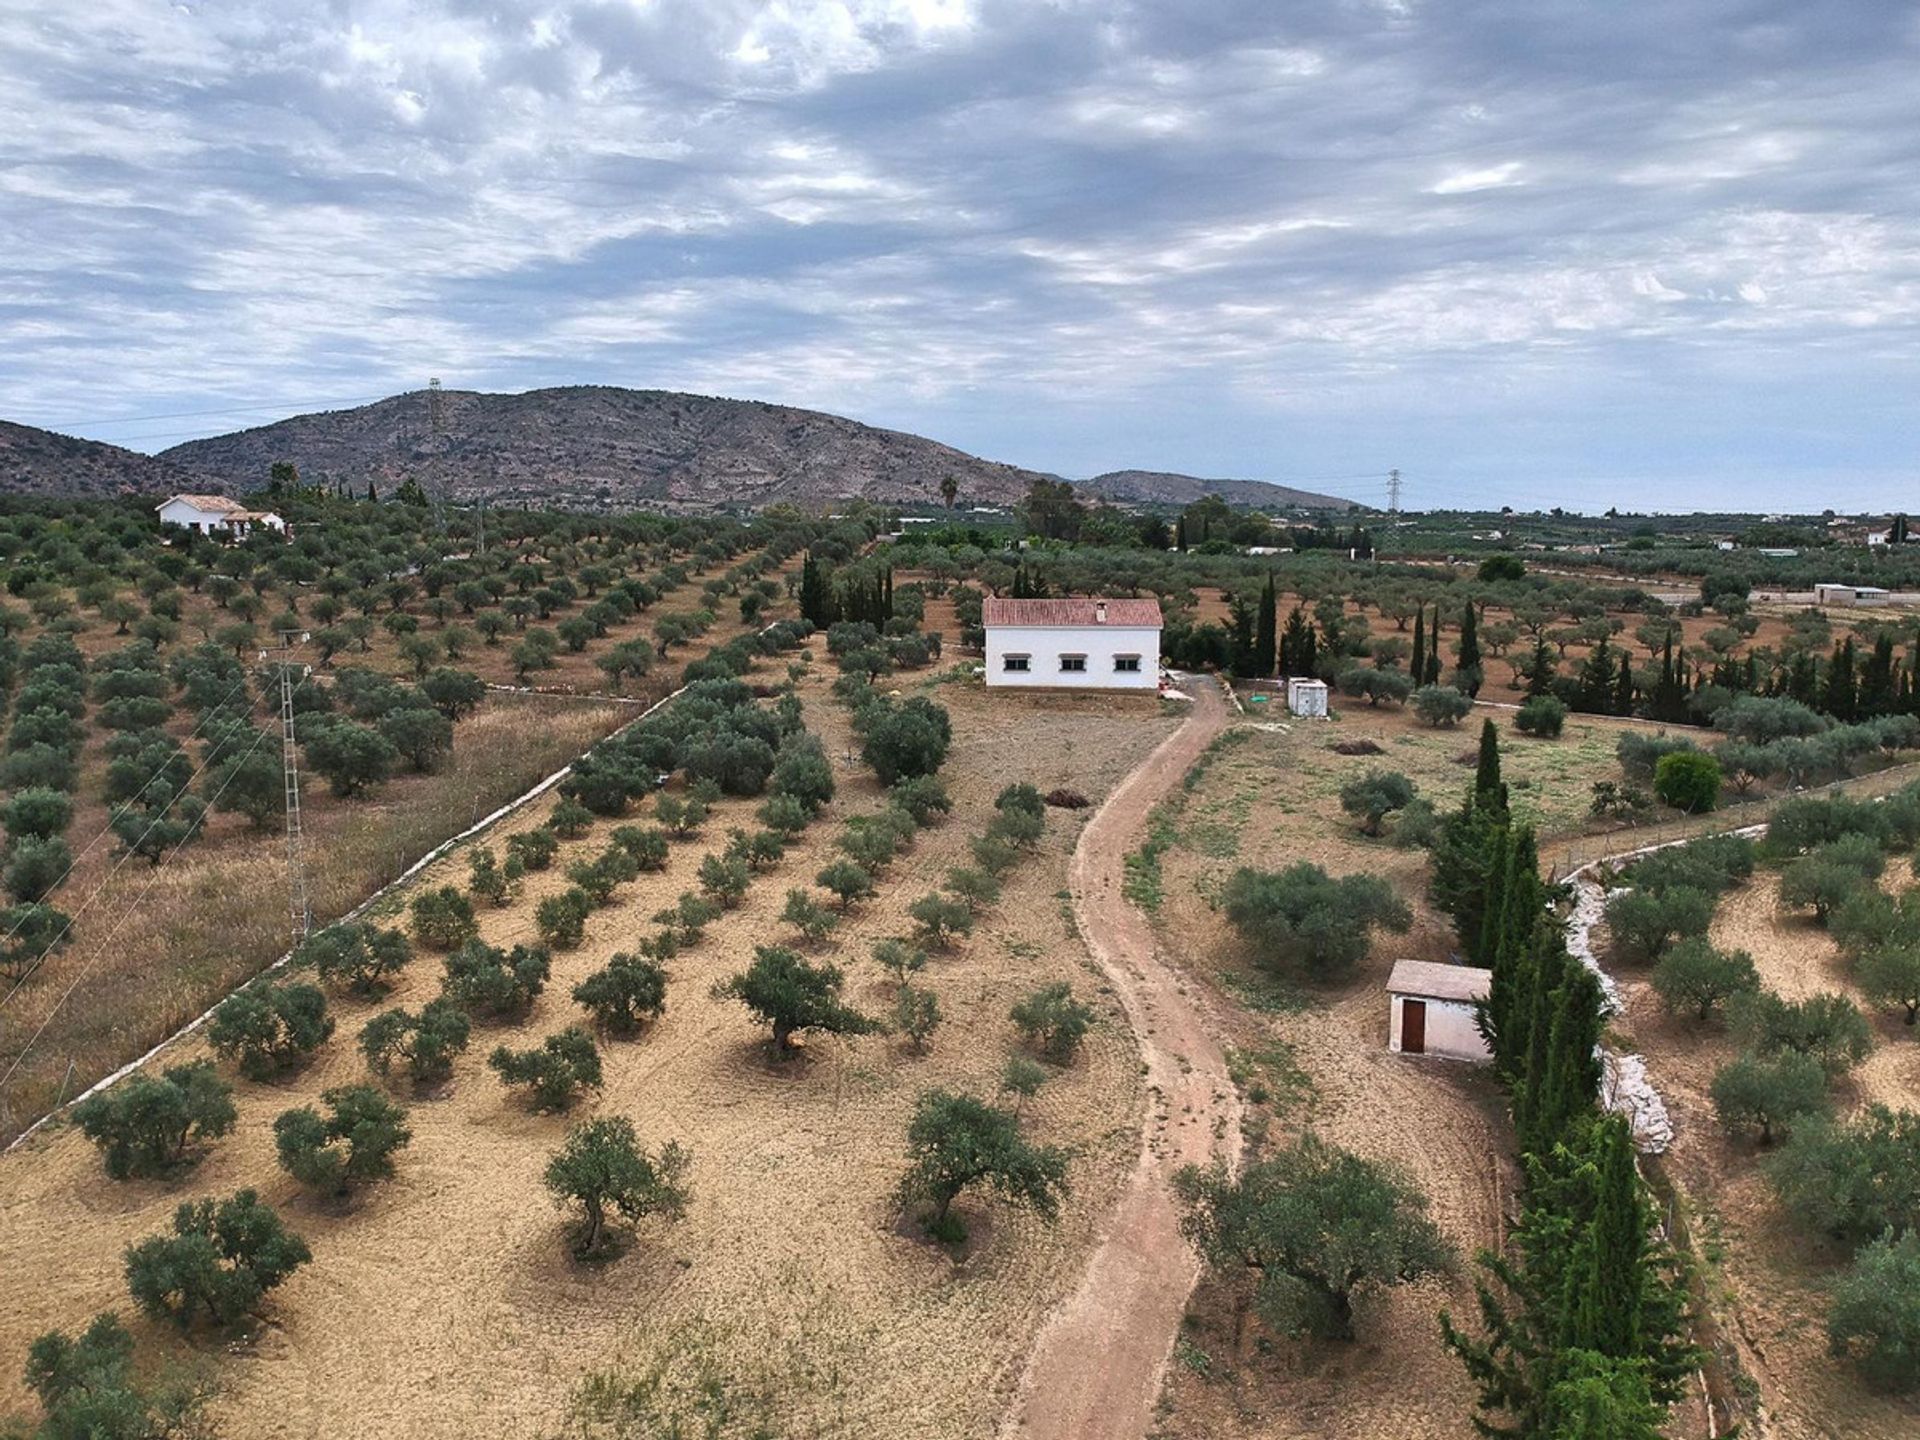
[(1660, 255)]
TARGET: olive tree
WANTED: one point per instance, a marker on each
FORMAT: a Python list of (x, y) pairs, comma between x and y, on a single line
[(786, 993), (554, 1071), (955, 1141), (145, 1124), (352, 1143), (1769, 1093), (1371, 797), (221, 1259), (1875, 1319), (603, 1168), (1052, 1021), (267, 1029), (1694, 976), (360, 956), (1315, 1225), (1306, 917), (625, 993)]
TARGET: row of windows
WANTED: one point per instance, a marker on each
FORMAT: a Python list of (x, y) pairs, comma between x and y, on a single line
[(1071, 664)]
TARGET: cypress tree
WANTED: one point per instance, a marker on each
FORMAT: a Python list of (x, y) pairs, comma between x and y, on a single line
[(1607, 1274), (1433, 649), (1265, 634), (1840, 698), (1542, 670), (1623, 691), (1876, 695), (1488, 788), (1417, 668), (1596, 689), (1469, 651)]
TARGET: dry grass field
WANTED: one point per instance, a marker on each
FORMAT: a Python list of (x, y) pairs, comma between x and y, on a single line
[(445, 1303), (1267, 797), (1768, 1274)]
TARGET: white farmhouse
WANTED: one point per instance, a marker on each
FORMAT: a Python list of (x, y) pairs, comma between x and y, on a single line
[(1431, 1010), (1089, 644), (216, 515)]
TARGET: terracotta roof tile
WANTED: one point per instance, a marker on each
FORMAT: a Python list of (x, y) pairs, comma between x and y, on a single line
[(1090, 610)]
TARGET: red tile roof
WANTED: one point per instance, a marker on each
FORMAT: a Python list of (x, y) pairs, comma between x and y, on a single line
[(1089, 611)]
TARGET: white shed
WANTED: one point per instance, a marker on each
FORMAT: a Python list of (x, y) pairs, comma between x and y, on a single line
[(1307, 697), (1432, 1010), (1079, 644)]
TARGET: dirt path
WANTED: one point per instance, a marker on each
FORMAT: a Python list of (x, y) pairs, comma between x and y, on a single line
[(1096, 1368)]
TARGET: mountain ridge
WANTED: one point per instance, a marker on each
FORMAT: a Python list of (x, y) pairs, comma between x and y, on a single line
[(1165, 487)]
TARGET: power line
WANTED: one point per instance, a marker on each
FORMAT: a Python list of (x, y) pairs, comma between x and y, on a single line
[(126, 915)]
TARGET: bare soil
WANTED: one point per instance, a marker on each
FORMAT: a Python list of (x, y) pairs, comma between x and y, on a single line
[(445, 1304), (1100, 1360)]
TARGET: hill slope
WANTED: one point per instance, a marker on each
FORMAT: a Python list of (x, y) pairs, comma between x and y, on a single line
[(592, 445), (1157, 487), (41, 462)]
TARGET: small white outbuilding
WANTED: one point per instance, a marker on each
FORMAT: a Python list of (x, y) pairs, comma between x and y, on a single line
[(1307, 698), (1431, 1010)]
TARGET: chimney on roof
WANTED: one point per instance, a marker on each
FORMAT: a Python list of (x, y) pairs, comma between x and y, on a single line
[(1099, 612)]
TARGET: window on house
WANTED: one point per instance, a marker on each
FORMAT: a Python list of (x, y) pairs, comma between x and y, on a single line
[(1073, 664), (1126, 664), (1014, 662)]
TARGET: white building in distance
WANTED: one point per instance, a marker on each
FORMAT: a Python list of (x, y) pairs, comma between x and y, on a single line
[(1088, 644), (217, 515)]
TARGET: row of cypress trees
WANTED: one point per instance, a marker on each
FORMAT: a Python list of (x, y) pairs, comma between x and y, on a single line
[(861, 592), (1582, 1312)]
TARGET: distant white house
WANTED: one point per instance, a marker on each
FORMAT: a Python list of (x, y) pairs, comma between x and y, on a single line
[(1088, 644), (1431, 1010), (217, 515)]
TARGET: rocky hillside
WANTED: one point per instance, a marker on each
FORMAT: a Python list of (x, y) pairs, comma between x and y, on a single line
[(40, 462), (1156, 487), (597, 446)]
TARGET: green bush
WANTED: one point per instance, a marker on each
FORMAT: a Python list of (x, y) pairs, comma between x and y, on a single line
[(426, 1042), (1875, 1319), (487, 980), (361, 956), (1371, 797), (1440, 705), (554, 1071), (1826, 1026), (353, 1143), (1541, 715), (1689, 781), (222, 1258), (1303, 916), (1053, 1022), (1643, 924), (1769, 1094), (626, 992), (146, 1124), (1693, 976), (442, 918), (562, 919), (267, 1029)]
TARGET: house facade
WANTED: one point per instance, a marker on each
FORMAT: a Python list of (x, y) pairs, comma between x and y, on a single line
[(1076, 644), (1431, 1010), (216, 515)]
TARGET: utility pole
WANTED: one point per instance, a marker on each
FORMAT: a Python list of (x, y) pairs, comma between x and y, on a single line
[(1393, 491), (298, 908)]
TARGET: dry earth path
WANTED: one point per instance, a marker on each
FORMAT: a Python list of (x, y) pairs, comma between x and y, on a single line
[(1096, 1368)]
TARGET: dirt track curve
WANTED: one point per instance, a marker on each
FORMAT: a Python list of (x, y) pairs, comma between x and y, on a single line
[(1096, 1369)]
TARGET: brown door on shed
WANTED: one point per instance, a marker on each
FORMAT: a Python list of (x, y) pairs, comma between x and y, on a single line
[(1413, 1027)]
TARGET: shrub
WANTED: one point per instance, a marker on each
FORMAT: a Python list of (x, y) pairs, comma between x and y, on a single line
[(786, 993), (487, 980), (443, 918), (940, 919), (1052, 1021), (562, 919), (975, 888), (627, 991), (554, 1070), (681, 817), (88, 1389), (785, 815), (1541, 715), (994, 854), (924, 797), (1640, 753), (1371, 797), (145, 1124), (1890, 975), (534, 848), (1855, 1181), (36, 812), (1769, 1093), (1022, 798), (689, 915), (1317, 1225), (1439, 705), (489, 879), (803, 773), (1305, 917), (426, 1042), (603, 1167), (724, 881), (1826, 1026), (957, 1141), (906, 740), (648, 845), (1692, 975), (361, 956), (1644, 924), (846, 881), (1710, 864), (916, 1014), (807, 915), (899, 959), (1819, 884), (266, 1029), (36, 866), (351, 758), (350, 1145), (569, 819), (1690, 782), (222, 1258), (1875, 1319)]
